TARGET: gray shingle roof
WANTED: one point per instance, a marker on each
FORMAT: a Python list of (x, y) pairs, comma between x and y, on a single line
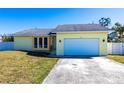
[(33, 32), (61, 28), (80, 27)]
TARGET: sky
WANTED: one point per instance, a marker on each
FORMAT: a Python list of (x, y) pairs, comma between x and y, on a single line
[(17, 19)]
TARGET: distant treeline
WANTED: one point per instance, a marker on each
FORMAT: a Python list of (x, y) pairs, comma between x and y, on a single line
[(7, 38)]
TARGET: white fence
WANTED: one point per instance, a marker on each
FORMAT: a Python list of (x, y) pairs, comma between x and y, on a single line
[(115, 48), (6, 45)]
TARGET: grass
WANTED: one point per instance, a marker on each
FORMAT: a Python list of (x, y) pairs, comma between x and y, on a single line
[(118, 58), (18, 67)]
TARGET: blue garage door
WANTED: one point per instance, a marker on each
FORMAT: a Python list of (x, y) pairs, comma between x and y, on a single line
[(81, 47)]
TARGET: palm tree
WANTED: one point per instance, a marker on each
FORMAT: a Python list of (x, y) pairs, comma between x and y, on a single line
[(105, 21)]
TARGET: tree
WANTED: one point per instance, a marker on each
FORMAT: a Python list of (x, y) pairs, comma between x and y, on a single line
[(112, 37), (7, 38), (105, 21), (119, 29)]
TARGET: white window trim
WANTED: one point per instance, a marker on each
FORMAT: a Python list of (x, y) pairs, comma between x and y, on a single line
[(38, 46)]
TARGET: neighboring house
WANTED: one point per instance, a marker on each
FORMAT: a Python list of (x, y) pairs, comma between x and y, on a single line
[(1, 39), (70, 39)]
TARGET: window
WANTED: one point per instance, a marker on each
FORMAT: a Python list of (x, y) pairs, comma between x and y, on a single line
[(45, 42), (40, 43), (35, 42)]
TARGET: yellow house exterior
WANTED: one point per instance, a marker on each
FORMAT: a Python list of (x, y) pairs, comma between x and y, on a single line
[(27, 43), (102, 36), (23, 43), (65, 40)]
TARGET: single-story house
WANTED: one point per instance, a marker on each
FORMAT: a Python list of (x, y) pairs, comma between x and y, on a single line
[(64, 40)]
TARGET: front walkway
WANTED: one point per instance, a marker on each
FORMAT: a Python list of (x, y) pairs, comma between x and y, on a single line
[(94, 70)]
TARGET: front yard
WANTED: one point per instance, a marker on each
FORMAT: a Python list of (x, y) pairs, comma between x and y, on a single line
[(18, 67), (118, 58)]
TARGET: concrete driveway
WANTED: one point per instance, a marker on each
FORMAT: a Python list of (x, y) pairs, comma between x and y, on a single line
[(96, 70)]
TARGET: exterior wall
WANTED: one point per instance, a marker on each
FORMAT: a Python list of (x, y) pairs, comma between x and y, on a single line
[(61, 35), (27, 43), (23, 43)]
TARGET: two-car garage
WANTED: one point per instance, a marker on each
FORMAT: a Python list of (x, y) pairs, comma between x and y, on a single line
[(86, 46), (81, 43)]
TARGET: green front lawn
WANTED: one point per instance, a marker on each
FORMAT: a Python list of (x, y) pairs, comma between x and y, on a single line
[(118, 58), (18, 67)]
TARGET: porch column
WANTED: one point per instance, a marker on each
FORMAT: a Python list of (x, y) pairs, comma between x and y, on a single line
[(37, 42)]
